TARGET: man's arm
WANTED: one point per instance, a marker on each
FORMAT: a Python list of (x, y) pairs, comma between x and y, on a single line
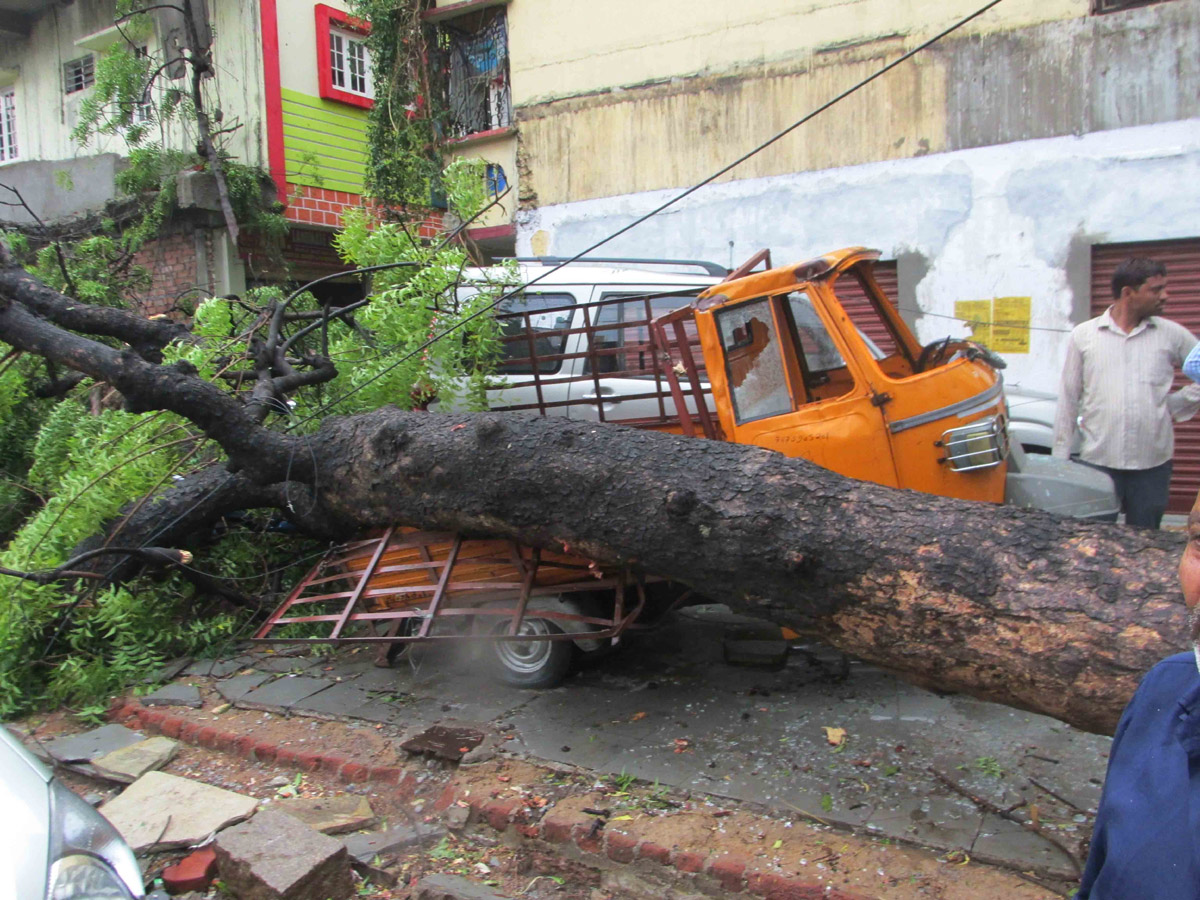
[(1185, 402), (1070, 387)]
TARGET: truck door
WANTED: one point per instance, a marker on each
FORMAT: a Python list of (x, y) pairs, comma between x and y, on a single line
[(794, 389)]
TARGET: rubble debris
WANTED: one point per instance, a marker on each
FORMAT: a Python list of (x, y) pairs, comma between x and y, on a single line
[(329, 815), (128, 764), (277, 857), (454, 887)]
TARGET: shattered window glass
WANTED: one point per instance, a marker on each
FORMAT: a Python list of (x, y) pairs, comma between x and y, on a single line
[(753, 362), (820, 353)]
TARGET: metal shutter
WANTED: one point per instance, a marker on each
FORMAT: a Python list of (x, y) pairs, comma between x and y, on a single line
[(1182, 259), (859, 308)]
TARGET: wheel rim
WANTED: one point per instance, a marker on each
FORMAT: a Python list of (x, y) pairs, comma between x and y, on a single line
[(526, 657)]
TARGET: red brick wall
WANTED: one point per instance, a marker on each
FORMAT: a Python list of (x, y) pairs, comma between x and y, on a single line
[(175, 271), (318, 206)]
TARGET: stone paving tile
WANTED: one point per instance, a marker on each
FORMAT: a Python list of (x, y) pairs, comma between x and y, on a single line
[(168, 671), (366, 846), (130, 763), (176, 694), (82, 747), (213, 668), (340, 700), (235, 688), (164, 811), (277, 663), (282, 694)]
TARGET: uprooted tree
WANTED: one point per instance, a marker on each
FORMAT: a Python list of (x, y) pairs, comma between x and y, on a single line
[(1049, 614)]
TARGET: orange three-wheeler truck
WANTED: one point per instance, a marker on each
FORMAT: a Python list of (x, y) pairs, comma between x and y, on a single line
[(809, 360)]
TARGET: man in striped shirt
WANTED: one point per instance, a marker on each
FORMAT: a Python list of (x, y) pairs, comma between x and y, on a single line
[(1116, 388)]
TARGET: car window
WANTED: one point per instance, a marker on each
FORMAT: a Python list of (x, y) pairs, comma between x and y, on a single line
[(625, 346), (533, 328)]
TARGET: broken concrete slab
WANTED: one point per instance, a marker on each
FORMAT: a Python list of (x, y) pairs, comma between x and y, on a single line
[(175, 695), (162, 812), (213, 668), (88, 745), (277, 857), (329, 815), (369, 845), (235, 688), (337, 702), (454, 887), (446, 740), (130, 763), (280, 696), (168, 671), (281, 663)]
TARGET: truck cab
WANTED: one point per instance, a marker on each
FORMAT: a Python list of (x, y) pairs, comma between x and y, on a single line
[(797, 376)]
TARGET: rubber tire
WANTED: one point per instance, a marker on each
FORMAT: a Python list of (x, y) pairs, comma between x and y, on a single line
[(536, 664)]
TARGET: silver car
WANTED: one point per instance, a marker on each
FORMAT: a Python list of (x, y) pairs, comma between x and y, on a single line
[(56, 846)]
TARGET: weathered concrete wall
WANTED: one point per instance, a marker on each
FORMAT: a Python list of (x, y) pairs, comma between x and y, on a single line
[(1069, 74), (563, 49), (1010, 220), (63, 190), (46, 115)]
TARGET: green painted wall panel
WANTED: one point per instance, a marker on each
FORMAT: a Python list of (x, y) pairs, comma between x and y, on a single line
[(324, 142)]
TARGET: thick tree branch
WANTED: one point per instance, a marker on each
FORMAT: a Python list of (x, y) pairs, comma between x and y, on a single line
[(147, 337), (146, 386)]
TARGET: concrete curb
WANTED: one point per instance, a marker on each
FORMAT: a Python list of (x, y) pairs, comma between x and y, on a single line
[(734, 874)]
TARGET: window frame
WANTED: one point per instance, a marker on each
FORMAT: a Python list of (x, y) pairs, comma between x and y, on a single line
[(10, 147), (332, 21), (87, 67), (1104, 7)]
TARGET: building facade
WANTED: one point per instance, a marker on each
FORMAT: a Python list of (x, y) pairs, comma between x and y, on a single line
[(1002, 172)]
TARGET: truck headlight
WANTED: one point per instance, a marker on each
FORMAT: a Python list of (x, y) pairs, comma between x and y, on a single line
[(89, 858)]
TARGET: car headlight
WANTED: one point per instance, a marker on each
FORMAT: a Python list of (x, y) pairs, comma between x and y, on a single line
[(89, 858)]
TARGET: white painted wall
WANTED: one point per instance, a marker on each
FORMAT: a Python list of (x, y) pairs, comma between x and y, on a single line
[(991, 222), (46, 115)]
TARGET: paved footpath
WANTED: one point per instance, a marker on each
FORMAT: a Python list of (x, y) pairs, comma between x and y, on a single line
[(667, 709)]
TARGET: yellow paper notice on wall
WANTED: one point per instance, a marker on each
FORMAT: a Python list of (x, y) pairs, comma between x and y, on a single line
[(1010, 325), (977, 314), (1001, 324)]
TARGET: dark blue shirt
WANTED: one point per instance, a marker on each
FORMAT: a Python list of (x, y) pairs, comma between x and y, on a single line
[(1148, 824)]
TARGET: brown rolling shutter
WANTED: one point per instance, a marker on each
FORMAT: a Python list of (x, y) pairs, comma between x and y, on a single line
[(859, 308), (1182, 259)]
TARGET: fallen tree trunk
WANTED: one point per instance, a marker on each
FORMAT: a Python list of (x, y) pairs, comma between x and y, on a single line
[(1052, 615)]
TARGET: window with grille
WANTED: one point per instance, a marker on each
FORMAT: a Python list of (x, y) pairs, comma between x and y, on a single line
[(8, 125), (343, 59), (79, 74), (473, 64), (143, 110)]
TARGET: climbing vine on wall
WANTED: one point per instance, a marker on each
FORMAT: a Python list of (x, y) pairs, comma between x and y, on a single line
[(404, 168)]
